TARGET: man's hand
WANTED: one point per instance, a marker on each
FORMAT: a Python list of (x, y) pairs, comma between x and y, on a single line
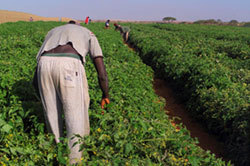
[(104, 102)]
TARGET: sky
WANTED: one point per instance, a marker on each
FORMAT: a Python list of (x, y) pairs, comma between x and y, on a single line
[(135, 10)]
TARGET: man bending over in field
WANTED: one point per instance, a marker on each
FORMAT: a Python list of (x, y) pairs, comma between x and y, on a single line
[(124, 30), (61, 81)]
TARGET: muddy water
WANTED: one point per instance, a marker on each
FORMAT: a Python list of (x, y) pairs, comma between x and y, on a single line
[(176, 109)]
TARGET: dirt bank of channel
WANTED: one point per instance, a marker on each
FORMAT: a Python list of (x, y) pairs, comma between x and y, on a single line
[(176, 109)]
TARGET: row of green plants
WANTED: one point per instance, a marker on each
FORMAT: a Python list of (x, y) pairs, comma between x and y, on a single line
[(210, 77), (23, 140), (210, 31), (133, 130), (233, 41)]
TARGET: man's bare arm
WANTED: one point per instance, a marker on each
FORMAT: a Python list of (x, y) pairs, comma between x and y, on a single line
[(102, 76)]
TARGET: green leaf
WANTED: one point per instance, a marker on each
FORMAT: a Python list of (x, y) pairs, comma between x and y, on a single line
[(61, 159), (143, 125), (5, 150), (2, 122), (13, 150), (50, 156), (128, 148), (193, 160), (6, 128)]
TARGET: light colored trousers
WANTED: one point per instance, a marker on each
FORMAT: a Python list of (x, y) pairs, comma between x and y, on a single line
[(64, 90)]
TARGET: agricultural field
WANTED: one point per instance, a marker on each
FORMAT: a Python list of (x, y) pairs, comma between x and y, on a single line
[(209, 68), (134, 129)]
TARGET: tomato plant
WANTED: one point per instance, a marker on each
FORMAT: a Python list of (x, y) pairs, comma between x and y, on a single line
[(209, 68), (133, 130)]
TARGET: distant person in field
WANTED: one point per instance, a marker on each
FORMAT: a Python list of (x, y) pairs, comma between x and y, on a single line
[(61, 82), (107, 24), (117, 26), (31, 19), (87, 20), (124, 30)]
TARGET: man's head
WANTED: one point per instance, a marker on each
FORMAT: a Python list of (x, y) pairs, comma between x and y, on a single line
[(72, 22)]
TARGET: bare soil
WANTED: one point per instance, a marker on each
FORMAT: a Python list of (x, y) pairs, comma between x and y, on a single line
[(13, 16)]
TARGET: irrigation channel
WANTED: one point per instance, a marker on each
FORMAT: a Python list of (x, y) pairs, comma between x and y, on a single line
[(176, 111)]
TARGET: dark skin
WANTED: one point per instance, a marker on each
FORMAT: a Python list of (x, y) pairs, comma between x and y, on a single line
[(99, 65)]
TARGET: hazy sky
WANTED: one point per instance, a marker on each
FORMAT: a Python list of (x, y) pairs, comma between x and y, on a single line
[(182, 10)]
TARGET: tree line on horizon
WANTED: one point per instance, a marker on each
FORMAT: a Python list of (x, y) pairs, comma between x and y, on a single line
[(211, 21)]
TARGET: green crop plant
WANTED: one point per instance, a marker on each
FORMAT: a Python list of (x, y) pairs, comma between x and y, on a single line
[(209, 68), (133, 130)]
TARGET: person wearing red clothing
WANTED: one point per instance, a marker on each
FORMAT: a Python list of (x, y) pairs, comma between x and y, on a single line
[(87, 20)]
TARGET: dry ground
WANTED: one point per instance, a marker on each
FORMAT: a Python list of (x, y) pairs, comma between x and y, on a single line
[(12, 16)]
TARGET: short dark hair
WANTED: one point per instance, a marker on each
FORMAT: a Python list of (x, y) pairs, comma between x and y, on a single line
[(72, 22)]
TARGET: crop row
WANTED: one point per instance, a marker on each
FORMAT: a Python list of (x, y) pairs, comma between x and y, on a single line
[(225, 33), (134, 129), (213, 84)]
